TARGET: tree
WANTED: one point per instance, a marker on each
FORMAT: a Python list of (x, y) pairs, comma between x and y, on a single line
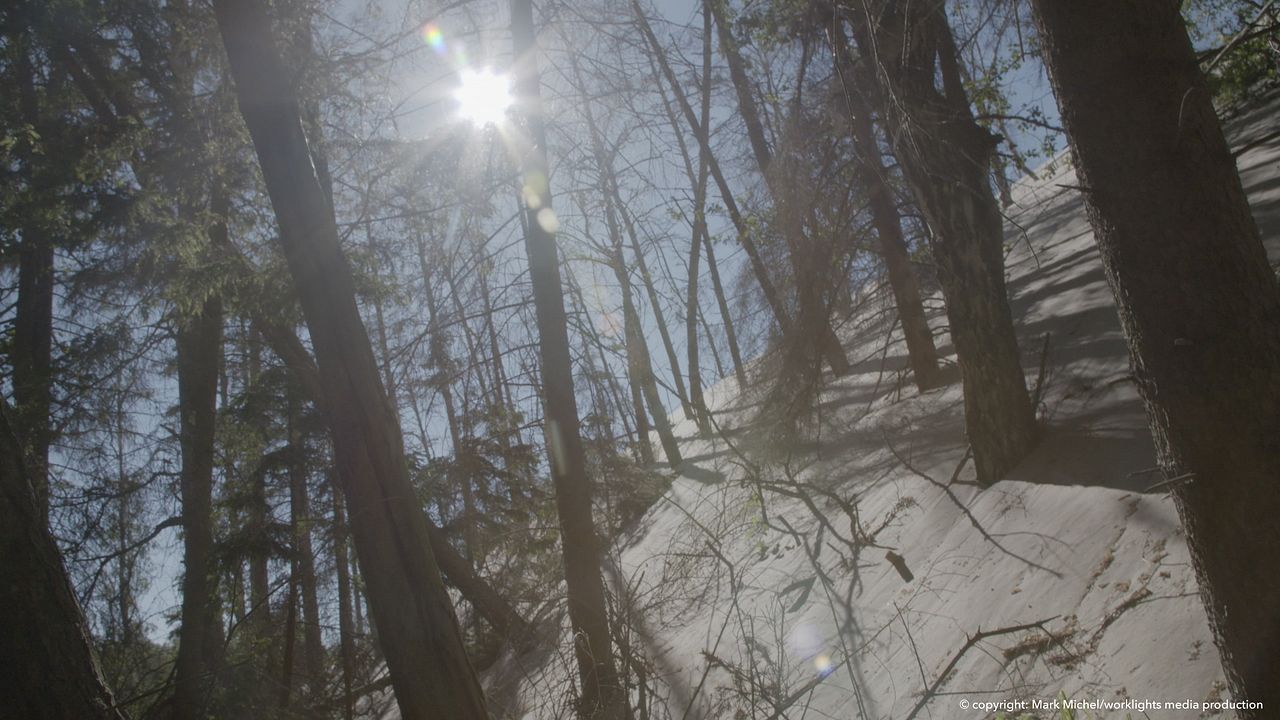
[(199, 342), (601, 694), (758, 268), (945, 155), (1197, 300), (813, 312), (419, 633), (47, 669), (921, 352)]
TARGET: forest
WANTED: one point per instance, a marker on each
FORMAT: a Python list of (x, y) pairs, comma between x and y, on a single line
[(639, 359)]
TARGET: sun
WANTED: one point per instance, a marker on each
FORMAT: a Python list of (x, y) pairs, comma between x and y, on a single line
[(484, 96)]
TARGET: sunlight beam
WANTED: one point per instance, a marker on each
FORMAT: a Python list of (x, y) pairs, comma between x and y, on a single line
[(484, 96)]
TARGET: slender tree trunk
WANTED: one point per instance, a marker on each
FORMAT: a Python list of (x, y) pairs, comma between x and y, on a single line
[(199, 342), (830, 345), (701, 414), (32, 355), (921, 352), (257, 511), (944, 155), (615, 388), (731, 335), (1197, 299), (289, 665), (346, 624), (418, 631), (651, 292), (47, 666), (638, 358), (641, 366), (440, 358), (758, 268), (601, 696), (705, 160), (300, 519)]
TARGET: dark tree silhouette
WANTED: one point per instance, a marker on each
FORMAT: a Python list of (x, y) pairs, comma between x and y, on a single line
[(1197, 299), (418, 631), (601, 694)]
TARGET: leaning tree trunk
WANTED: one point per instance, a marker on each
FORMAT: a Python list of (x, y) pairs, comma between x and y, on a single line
[(758, 268), (700, 232), (418, 631), (921, 353), (47, 667), (944, 155), (639, 361), (457, 569), (199, 344), (601, 693), (828, 341), (1197, 299)]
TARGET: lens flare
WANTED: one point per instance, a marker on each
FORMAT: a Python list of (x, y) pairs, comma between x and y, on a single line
[(432, 36), (484, 96)]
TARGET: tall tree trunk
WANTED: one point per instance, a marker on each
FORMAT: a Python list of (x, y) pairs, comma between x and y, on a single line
[(646, 279), (829, 343), (641, 365), (1197, 299), (300, 520), (47, 666), (758, 268), (288, 668), (731, 335), (33, 316), (944, 155), (638, 358), (700, 231), (921, 352), (32, 355), (418, 631), (199, 342), (601, 693), (346, 624)]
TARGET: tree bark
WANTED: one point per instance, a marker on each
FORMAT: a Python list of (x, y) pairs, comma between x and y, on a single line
[(47, 667), (944, 155), (199, 343), (601, 693), (33, 355), (417, 628), (33, 316), (1196, 297)]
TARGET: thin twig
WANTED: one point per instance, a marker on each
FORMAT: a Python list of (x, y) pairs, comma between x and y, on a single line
[(970, 641)]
